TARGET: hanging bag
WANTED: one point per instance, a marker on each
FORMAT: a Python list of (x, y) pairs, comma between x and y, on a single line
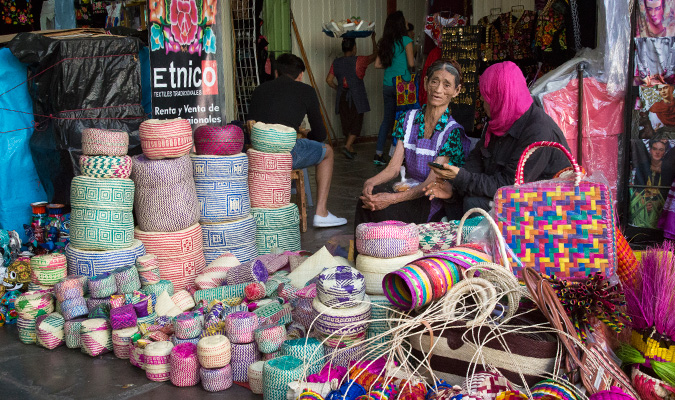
[(407, 92)]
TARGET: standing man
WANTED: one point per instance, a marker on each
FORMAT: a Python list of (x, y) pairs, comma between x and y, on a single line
[(286, 100)]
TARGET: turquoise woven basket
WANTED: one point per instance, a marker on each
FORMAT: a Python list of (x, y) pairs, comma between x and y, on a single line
[(273, 138)]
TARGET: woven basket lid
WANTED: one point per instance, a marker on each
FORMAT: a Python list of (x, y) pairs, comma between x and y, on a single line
[(214, 342), (162, 348)]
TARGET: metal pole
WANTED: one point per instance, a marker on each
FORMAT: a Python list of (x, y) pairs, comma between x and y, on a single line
[(580, 112)]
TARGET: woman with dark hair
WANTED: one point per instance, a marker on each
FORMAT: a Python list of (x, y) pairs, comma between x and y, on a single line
[(351, 100), (395, 55), (650, 184), (426, 135)]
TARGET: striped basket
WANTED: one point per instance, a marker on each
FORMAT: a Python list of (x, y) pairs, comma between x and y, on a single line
[(183, 300), (255, 291), (27, 333), (252, 271), (278, 373), (343, 356), (187, 325), (342, 321), (273, 138), (255, 377), (127, 279), (48, 269), (169, 138), (236, 237), (71, 332), (184, 365), (214, 351), (375, 269), (387, 239), (105, 166), (157, 361), (222, 187), (96, 337), (102, 286), (121, 339), (219, 140), (158, 288), (179, 253), (166, 199), (340, 287), (92, 263), (215, 272), (278, 227), (104, 142), (74, 308), (381, 310), (49, 329), (93, 302), (240, 327), (101, 217), (148, 269), (270, 338), (216, 380), (269, 179), (221, 293), (30, 305), (165, 306), (123, 317), (271, 356), (243, 355), (309, 350), (176, 341)]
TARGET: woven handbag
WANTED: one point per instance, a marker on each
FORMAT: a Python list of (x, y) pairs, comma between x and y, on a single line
[(561, 227)]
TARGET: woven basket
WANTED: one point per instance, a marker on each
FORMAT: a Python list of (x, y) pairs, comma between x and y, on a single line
[(127, 279), (221, 293), (215, 272), (273, 138), (48, 269), (166, 198), (252, 271), (71, 287), (243, 355), (374, 269), (104, 142), (93, 302), (123, 317), (187, 325), (650, 388), (381, 309), (219, 140), (92, 263), (157, 361), (71, 333), (102, 286), (278, 373), (214, 351), (27, 333), (548, 388), (255, 291), (387, 239), (158, 288), (309, 350), (176, 341), (240, 327), (269, 179), (183, 300), (184, 365), (121, 339), (342, 321), (105, 166), (255, 377), (437, 236), (49, 329), (148, 269), (270, 338), (236, 237), (277, 227), (179, 253), (30, 305), (74, 308), (216, 380), (101, 217), (340, 287), (96, 337), (343, 356), (169, 138), (222, 187)]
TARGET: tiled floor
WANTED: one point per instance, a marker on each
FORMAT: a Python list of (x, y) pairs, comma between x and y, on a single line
[(32, 372)]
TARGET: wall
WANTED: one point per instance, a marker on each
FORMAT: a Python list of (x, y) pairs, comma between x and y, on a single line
[(321, 49)]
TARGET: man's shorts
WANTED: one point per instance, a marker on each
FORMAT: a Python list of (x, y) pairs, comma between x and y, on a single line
[(307, 153)]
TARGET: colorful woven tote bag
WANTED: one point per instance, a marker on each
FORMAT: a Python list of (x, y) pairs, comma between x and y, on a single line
[(562, 227)]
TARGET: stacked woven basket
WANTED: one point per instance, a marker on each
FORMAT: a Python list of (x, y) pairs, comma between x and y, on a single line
[(166, 204), (269, 179)]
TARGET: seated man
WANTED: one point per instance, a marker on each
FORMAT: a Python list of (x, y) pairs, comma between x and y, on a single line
[(286, 100)]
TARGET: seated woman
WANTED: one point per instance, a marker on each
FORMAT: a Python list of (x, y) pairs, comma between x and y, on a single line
[(426, 135), (515, 123)]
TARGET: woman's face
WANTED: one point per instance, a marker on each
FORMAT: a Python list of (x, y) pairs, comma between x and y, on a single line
[(486, 106), (657, 151), (441, 88)]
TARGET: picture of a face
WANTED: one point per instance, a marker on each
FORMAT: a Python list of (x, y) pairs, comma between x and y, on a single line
[(654, 10), (657, 150)]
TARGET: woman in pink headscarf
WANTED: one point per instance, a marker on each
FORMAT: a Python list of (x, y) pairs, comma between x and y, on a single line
[(515, 122)]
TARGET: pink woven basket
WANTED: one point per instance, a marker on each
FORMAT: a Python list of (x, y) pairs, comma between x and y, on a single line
[(184, 365), (170, 138), (219, 140), (387, 239), (269, 179)]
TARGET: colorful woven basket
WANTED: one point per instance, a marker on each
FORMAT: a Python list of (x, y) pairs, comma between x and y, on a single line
[(381, 309), (30, 305), (169, 138), (650, 388), (278, 373), (96, 337), (387, 239), (176, 341), (375, 269), (158, 288), (216, 380), (157, 361), (48, 269), (183, 300), (26, 328), (221, 183), (556, 389), (277, 227), (102, 286), (270, 338), (148, 269), (93, 302), (71, 333), (236, 237), (438, 236), (184, 365), (166, 198), (101, 217), (92, 263), (340, 287), (216, 271), (121, 339), (221, 293), (240, 327), (104, 142), (123, 317), (49, 329), (219, 140), (252, 271), (70, 287), (214, 351), (74, 308), (179, 253), (342, 321), (255, 377), (273, 138), (269, 179), (187, 325), (105, 166), (309, 350), (344, 355), (243, 355), (255, 291), (127, 279)]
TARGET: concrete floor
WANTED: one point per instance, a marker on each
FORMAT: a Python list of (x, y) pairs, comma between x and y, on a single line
[(32, 372)]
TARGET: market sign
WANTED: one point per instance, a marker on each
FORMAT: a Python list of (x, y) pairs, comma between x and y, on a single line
[(183, 62)]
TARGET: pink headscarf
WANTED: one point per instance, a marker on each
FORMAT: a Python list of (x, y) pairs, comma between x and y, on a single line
[(504, 89)]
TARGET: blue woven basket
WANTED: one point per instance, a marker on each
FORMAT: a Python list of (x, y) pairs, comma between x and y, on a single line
[(278, 373), (277, 227), (309, 350), (222, 187), (92, 263), (244, 253)]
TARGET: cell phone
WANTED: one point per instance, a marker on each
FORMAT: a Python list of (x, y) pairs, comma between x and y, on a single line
[(436, 165)]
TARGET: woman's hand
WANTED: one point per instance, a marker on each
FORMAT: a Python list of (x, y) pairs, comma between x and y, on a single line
[(448, 171), (378, 201), (440, 189)]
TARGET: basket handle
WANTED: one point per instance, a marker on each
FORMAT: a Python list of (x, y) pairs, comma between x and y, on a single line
[(537, 145), (501, 245)]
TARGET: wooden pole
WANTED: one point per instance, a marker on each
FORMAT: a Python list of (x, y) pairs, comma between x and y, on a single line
[(326, 121)]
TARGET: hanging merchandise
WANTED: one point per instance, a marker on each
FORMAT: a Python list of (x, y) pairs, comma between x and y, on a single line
[(654, 61), (656, 18)]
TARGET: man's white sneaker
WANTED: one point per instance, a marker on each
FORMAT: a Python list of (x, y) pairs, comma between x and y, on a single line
[(328, 221)]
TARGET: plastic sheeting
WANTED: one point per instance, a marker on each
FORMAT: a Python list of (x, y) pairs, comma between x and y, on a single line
[(602, 124), (19, 182), (617, 45)]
